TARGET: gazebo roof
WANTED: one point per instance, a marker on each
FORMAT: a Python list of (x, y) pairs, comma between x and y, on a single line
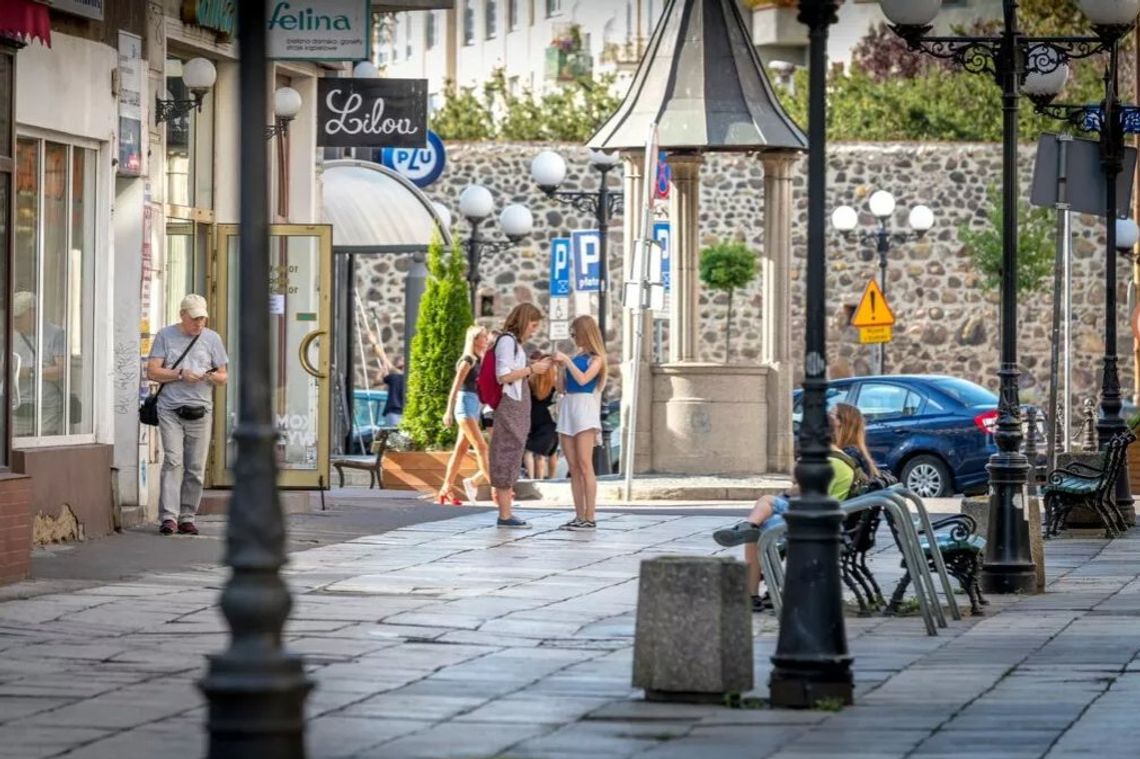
[(702, 82)]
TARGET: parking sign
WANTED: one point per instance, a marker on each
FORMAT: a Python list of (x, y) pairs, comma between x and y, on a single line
[(587, 248), (662, 233), (560, 267)]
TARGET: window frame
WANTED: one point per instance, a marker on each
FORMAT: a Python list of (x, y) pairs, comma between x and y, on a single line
[(10, 51), (891, 415), (512, 16), (468, 23), (431, 31), (553, 8)]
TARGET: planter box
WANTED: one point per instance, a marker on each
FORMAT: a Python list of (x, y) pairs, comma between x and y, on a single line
[(421, 470)]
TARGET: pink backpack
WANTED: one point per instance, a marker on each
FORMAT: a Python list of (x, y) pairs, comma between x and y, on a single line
[(490, 391)]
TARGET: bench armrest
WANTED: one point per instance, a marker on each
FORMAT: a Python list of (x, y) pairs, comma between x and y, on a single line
[(960, 526)]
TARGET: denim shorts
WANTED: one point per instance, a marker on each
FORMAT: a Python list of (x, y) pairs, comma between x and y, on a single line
[(467, 406), (780, 505)]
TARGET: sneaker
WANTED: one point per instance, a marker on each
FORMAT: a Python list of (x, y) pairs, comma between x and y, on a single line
[(167, 527), (761, 603), (571, 525), (187, 528), (514, 522), (470, 489), (738, 534), (582, 524)]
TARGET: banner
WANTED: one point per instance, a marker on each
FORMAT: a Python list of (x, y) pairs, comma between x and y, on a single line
[(372, 113)]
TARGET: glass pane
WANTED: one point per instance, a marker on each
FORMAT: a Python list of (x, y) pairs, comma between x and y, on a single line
[(25, 339), (178, 271), (294, 310), (81, 294), (877, 401), (179, 140), (52, 356)]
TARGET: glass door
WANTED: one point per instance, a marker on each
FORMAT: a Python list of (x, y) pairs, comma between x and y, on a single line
[(300, 312)]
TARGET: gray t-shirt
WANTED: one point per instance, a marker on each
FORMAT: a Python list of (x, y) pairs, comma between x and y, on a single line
[(208, 353)]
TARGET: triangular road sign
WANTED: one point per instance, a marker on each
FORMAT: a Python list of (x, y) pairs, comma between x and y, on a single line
[(873, 310)]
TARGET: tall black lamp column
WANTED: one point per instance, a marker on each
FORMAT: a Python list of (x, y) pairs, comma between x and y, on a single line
[(812, 662)]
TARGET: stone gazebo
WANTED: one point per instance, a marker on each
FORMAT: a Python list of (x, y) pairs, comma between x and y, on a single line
[(703, 84)]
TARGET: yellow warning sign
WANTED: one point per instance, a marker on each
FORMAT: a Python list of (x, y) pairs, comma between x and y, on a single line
[(875, 334), (873, 310)]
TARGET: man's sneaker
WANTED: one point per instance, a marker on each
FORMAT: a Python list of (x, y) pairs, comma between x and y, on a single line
[(167, 527), (571, 525), (583, 524), (470, 489), (514, 522), (187, 528), (738, 534)]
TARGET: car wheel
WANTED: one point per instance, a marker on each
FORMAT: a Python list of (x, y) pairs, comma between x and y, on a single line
[(926, 477)]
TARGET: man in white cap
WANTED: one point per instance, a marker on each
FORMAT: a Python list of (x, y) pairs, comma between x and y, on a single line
[(51, 355), (185, 409)]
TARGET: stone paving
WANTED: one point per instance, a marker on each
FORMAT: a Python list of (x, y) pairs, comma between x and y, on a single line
[(456, 639)]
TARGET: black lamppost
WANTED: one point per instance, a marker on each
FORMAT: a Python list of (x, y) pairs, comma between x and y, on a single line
[(256, 691), (811, 662), (1111, 119), (845, 218), (476, 204), (1008, 566), (548, 170)]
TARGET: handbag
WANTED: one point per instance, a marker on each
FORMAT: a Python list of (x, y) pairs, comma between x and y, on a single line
[(148, 409)]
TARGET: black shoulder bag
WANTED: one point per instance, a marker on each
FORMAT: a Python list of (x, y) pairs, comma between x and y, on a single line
[(148, 410)]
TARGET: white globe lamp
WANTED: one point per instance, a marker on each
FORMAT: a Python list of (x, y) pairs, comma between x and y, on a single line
[(548, 170), (882, 204), (1126, 234), (1110, 12), (475, 202), (199, 74), (910, 12), (516, 221), (286, 103), (921, 219), (844, 219)]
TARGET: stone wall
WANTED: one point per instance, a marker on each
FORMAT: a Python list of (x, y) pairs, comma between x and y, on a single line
[(946, 322)]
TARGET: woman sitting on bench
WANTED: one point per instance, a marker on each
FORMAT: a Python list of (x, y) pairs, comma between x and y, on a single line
[(851, 467)]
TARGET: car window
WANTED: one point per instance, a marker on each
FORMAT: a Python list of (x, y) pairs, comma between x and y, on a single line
[(834, 395), (878, 400), (965, 392)]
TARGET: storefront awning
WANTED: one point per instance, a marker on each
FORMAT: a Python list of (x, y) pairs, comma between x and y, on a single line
[(375, 210), (25, 20)]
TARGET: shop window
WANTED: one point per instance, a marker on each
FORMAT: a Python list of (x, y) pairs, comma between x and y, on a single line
[(53, 309), (189, 147), (512, 15), (553, 7), (430, 31)]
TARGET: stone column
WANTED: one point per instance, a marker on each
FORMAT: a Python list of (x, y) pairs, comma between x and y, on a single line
[(685, 215), (634, 188), (776, 276)]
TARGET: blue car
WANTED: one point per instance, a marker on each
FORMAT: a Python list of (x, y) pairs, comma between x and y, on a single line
[(934, 433)]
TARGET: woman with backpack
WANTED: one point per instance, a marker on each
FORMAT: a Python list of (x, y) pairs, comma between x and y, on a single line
[(503, 386), (580, 415), (465, 409), (848, 478)]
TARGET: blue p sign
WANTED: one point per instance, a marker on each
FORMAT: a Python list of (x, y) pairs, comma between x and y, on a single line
[(560, 267), (661, 233), (587, 246)]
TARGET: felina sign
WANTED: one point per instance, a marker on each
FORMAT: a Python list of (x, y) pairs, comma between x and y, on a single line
[(325, 30), (371, 113)]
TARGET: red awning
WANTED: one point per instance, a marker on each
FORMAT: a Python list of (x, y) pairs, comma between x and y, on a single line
[(25, 20)]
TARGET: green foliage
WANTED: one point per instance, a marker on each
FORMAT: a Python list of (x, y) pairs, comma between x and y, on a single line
[(727, 266), (1035, 245), (445, 315), (571, 113)]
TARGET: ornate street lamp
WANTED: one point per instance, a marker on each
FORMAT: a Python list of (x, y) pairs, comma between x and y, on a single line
[(812, 662), (286, 106), (476, 204), (1111, 120), (845, 218), (256, 691), (548, 170), (199, 75), (1007, 56)]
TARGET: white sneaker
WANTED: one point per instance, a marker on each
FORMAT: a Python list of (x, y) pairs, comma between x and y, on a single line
[(470, 489)]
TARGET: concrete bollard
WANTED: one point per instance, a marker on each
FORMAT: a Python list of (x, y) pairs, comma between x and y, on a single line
[(694, 629)]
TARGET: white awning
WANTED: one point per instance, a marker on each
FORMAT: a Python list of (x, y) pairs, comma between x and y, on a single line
[(373, 208)]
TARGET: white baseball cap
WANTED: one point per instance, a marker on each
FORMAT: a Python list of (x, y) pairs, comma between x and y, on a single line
[(194, 306)]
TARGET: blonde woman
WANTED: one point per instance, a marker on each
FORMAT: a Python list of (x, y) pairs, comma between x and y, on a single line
[(464, 409), (580, 415), (512, 416)]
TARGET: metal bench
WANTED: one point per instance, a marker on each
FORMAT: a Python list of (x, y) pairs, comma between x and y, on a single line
[(372, 464), (893, 505), (960, 549), (1085, 485)]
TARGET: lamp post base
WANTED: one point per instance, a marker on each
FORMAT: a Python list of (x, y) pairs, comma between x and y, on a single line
[(256, 708), (1008, 565), (793, 688)]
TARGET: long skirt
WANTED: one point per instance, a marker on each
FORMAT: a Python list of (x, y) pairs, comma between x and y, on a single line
[(512, 425)]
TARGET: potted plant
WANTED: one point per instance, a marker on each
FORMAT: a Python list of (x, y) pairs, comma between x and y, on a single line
[(445, 314), (728, 266)]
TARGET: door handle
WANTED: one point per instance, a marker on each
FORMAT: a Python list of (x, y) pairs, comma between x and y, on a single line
[(303, 354)]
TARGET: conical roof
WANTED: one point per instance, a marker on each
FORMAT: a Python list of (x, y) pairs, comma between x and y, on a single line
[(702, 82)]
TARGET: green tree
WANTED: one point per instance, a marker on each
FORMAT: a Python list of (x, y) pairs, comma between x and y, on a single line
[(727, 266), (1035, 245), (464, 115), (445, 315)]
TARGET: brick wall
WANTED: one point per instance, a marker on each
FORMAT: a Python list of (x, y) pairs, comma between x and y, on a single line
[(15, 527)]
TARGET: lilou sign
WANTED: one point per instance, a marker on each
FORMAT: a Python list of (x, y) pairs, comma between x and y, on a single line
[(371, 113), (325, 30)]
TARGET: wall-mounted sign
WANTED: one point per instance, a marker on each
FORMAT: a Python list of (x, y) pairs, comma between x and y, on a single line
[(587, 247), (216, 15), (372, 113), (130, 105), (421, 166), (664, 177), (86, 8), (323, 30)]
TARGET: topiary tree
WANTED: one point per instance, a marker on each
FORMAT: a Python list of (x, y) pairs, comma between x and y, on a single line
[(727, 266), (445, 315)]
